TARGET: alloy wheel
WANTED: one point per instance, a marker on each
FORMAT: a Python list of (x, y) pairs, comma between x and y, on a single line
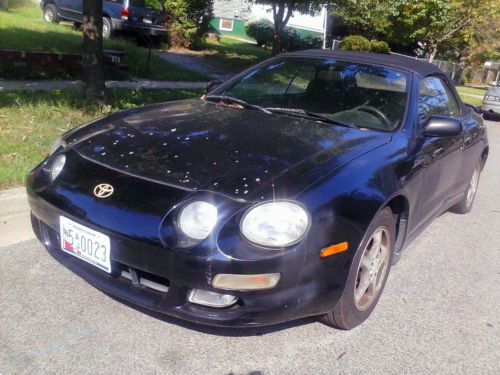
[(372, 269), (471, 192)]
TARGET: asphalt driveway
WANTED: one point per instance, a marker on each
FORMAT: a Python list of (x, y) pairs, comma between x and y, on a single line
[(440, 314)]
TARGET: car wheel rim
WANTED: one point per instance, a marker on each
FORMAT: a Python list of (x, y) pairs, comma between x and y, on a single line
[(372, 269), (472, 187), (49, 16)]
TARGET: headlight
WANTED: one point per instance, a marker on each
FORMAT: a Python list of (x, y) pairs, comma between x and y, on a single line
[(57, 143), (275, 224), (198, 219), (57, 166)]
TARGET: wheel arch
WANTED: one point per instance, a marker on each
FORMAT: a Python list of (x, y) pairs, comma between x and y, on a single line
[(484, 156), (400, 207)]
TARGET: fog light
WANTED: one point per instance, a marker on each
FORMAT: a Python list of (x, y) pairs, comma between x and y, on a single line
[(246, 282), (212, 299)]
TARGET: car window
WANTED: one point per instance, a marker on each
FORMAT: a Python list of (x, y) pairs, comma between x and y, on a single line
[(435, 98), (359, 94)]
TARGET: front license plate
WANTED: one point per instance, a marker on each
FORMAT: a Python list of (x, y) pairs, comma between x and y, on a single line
[(85, 243)]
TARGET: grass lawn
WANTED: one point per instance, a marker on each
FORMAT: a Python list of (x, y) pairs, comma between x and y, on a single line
[(230, 55), (30, 121), (470, 90), (23, 28), (467, 95)]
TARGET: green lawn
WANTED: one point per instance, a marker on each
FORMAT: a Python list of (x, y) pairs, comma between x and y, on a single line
[(233, 55), (466, 93), (30, 121), (23, 28), (470, 90)]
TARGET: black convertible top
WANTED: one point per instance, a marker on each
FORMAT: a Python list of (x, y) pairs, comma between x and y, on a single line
[(407, 63)]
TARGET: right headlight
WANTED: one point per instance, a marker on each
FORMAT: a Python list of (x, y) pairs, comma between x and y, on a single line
[(275, 224)]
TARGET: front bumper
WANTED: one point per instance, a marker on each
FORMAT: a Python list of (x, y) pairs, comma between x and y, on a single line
[(290, 299), (489, 107)]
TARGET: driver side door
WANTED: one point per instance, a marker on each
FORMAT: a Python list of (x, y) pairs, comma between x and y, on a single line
[(441, 157)]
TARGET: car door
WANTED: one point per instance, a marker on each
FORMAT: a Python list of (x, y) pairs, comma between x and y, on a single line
[(71, 9), (441, 157)]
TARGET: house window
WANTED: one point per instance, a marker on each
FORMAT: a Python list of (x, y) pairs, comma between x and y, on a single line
[(225, 25)]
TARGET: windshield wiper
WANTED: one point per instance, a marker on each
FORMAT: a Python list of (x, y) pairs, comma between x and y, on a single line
[(304, 113), (231, 100)]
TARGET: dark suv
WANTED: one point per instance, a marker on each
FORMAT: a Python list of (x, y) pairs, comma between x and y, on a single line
[(131, 15)]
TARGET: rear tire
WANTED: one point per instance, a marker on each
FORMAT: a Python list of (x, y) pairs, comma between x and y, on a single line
[(370, 267), (107, 28), (465, 205), (50, 14)]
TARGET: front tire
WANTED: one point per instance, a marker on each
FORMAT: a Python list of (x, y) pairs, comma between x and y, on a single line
[(368, 274), (465, 205), (50, 14)]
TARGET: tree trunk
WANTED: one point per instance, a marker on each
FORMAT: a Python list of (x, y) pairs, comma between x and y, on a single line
[(280, 21), (4, 4), (93, 70), (433, 52)]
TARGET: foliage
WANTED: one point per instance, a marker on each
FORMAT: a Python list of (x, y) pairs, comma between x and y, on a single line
[(379, 47), (355, 43), (263, 32), (190, 21), (30, 121), (453, 28), (282, 12)]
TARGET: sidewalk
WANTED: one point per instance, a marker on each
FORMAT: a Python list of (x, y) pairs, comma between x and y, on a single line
[(48, 85), (15, 225)]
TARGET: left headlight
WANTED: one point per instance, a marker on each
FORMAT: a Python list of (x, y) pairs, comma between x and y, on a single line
[(275, 224), (57, 166), (198, 219)]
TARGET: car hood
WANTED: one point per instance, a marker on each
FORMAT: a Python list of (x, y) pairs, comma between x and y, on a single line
[(243, 154)]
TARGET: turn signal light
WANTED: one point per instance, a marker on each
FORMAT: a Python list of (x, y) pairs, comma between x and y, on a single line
[(246, 282), (334, 249)]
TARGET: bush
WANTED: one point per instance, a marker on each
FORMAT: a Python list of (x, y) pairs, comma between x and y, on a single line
[(380, 47), (262, 31), (191, 21), (355, 43)]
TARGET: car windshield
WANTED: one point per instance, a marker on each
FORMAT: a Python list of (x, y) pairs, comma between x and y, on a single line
[(345, 92)]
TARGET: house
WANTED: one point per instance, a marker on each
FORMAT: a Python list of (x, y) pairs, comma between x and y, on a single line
[(230, 17)]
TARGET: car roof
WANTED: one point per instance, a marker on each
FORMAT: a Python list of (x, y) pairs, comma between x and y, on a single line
[(397, 61)]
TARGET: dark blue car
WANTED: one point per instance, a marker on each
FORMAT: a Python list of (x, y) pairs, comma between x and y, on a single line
[(287, 191), (130, 15)]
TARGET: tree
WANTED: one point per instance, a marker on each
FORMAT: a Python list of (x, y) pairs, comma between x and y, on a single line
[(93, 70), (435, 23), (282, 12), (191, 20)]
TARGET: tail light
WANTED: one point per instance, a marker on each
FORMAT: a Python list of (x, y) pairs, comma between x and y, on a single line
[(164, 20), (124, 13)]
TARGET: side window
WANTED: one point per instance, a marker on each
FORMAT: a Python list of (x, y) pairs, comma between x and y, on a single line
[(435, 98), (299, 83)]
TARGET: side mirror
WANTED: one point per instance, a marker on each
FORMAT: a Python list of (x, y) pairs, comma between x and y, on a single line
[(211, 86), (442, 126)]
